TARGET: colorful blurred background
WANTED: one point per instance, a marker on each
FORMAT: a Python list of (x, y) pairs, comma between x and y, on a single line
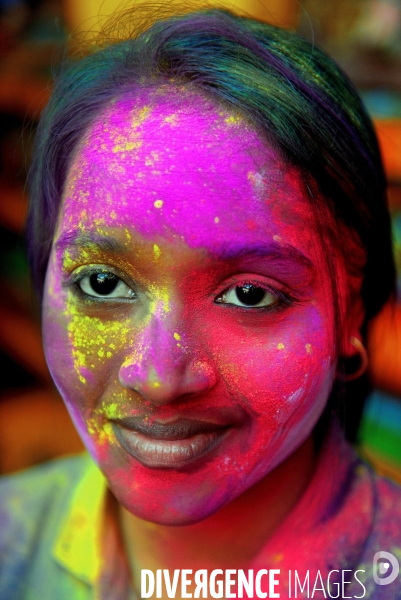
[(364, 36)]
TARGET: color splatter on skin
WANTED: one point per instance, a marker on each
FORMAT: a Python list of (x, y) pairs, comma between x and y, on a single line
[(185, 205)]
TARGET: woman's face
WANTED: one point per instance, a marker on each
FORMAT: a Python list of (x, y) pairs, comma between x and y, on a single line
[(188, 313)]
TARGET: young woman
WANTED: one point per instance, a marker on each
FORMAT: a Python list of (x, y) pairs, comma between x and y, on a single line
[(209, 236)]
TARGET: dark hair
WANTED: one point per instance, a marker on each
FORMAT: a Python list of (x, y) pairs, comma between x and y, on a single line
[(293, 94)]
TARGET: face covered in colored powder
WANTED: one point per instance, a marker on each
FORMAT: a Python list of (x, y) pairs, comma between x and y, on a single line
[(188, 313)]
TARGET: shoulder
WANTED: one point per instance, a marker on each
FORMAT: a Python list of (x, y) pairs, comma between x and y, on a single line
[(380, 495), (383, 544), (387, 517), (32, 505), (59, 468), (39, 487)]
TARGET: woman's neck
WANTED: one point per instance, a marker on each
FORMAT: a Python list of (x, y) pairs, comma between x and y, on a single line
[(229, 539)]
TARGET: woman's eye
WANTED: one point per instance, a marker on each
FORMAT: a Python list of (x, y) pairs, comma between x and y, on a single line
[(104, 284), (249, 295)]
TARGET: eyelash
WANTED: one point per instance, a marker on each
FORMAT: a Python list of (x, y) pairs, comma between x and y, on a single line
[(79, 276), (283, 298)]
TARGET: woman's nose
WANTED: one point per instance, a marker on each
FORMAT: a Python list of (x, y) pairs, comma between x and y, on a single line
[(164, 365)]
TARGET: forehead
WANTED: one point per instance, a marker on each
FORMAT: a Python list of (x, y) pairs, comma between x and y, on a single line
[(172, 163)]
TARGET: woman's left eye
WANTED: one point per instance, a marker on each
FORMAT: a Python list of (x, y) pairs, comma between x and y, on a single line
[(249, 295), (104, 284)]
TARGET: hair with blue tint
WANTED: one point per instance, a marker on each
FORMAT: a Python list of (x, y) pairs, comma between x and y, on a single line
[(296, 97)]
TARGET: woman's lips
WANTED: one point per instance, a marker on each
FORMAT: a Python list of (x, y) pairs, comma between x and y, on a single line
[(167, 445)]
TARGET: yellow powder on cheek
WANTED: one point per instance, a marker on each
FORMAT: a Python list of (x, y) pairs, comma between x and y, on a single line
[(117, 406), (102, 432), (93, 341)]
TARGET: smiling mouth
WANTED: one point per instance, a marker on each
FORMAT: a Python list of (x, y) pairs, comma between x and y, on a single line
[(167, 445)]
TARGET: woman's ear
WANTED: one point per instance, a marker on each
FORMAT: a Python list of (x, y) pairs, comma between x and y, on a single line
[(352, 329), (352, 321), (353, 350)]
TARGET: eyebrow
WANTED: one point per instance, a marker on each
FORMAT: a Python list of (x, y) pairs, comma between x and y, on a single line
[(89, 240), (269, 250)]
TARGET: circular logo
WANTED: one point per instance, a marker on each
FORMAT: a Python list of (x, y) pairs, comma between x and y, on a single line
[(382, 574)]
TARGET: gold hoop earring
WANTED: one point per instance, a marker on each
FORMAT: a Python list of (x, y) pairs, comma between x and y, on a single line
[(364, 359)]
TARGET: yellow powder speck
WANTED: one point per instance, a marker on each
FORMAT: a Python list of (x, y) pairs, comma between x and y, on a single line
[(172, 119), (216, 220), (100, 352), (107, 434), (308, 348), (68, 261), (82, 379), (109, 354), (156, 384), (177, 336), (156, 251), (140, 116), (280, 346), (112, 410), (161, 301), (232, 119), (158, 203), (126, 147)]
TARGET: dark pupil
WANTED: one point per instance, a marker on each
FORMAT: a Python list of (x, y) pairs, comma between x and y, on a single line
[(103, 283), (250, 294)]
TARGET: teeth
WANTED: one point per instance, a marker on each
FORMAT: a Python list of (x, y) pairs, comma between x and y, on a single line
[(166, 448)]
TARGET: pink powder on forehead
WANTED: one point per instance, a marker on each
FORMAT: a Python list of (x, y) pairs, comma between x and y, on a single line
[(174, 152)]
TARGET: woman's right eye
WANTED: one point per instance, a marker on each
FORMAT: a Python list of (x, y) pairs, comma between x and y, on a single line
[(104, 284)]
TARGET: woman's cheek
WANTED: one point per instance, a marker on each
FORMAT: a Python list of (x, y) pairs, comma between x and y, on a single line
[(282, 375), (84, 354)]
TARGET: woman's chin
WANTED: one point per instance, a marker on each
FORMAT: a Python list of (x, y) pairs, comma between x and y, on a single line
[(168, 515)]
